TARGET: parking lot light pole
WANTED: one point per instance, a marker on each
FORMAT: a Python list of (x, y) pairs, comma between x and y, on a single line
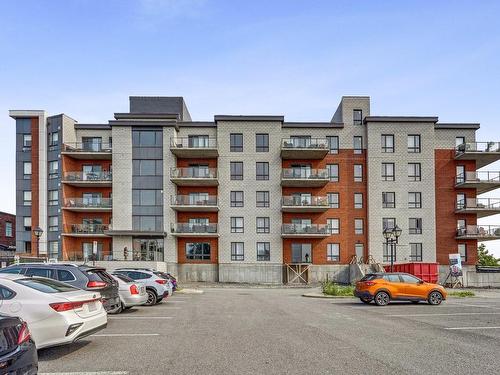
[(391, 236), (38, 233)]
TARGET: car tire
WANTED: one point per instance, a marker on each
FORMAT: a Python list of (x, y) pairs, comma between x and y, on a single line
[(435, 298), (159, 300), (366, 300), (382, 298), (152, 298)]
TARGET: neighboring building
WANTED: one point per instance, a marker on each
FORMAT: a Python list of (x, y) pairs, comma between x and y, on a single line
[(237, 198), (7, 231)]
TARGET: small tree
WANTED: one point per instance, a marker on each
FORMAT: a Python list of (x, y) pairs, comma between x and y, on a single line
[(484, 258)]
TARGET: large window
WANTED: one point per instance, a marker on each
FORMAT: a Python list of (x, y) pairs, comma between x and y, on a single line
[(301, 253), (262, 198), (53, 169), (92, 144), (237, 225), (414, 200), (358, 145), (147, 138), (333, 226), (236, 199), (357, 116), (387, 171), (8, 229), (262, 170), (333, 200), (198, 141), (27, 223), (414, 143), (388, 143), (146, 197), (388, 199), (414, 173), (263, 224), (236, 142), (358, 200), (27, 198), (27, 169), (358, 172), (147, 167), (263, 251), (53, 197), (198, 250), (333, 144), (462, 250), (262, 142), (415, 225), (388, 223), (237, 251), (53, 223), (415, 252), (333, 172), (53, 139), (358, 226), (147, 223), (54, 252), (333, 252), (26, 141), (236, 170)]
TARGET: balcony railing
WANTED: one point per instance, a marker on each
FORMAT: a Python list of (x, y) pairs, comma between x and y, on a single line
[(479, 231), (86, 228), (193, 142), (293, 201), (190, 200), (476, 147), (79, 255), (305, 229), (202, 173), (88, 176), (479, 203), (88, 203), (305, 143), (304, 174), (187, 228), (475, 177), (87, 147)]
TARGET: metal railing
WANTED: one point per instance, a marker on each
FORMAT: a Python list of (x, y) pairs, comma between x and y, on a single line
[(88, 176), (78, 255), (478, 176), (193, 142), (305, 229), (86, 228), (307, 143), (88, 202), (193, 228), (193, 200), (477, 147), (478, 231), (87, 147), (304, 201), (479, 203), (304, 174), (193, 172)]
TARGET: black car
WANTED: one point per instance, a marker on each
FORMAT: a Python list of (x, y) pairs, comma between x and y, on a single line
[(17, 350), (80, 276)]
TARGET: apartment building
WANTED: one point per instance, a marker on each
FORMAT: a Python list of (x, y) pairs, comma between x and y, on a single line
[(251, 198)]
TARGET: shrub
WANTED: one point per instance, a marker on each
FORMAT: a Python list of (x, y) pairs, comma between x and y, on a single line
[(333, 289), (462, 293)]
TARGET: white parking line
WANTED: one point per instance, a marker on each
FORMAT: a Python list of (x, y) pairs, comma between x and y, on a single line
[(470, 328), (138, 317), (443, 314), (125, 334), (86, 373), (173, 301)]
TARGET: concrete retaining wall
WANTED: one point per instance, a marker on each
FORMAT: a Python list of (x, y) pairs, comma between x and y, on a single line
[(251, 273), (338, 273), (113, 265), (472, 278), (198, 272)]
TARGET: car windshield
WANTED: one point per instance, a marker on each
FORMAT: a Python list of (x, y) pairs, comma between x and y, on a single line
[(46, 285)]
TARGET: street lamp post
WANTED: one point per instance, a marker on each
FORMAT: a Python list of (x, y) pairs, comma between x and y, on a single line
[(38, 233), (391, 236)]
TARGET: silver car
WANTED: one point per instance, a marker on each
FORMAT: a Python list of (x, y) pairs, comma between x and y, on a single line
[(132, 293)]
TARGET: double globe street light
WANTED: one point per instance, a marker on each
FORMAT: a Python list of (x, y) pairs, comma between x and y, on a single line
[(391, 236)]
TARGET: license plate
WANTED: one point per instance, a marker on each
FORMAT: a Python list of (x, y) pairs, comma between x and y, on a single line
[(92, 306)]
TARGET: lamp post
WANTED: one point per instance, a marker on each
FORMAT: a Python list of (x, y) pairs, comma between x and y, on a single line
[(38, 233), (391, 236)]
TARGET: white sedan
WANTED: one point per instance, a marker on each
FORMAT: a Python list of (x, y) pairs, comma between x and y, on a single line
[(56, 313)]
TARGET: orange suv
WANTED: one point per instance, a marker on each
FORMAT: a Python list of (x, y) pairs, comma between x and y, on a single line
[(384, 287)]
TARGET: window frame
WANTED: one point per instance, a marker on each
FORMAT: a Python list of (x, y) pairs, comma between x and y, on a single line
[(263, 137), (262, 176), (233, 198), (236, 165), (333, 194), (415, 176), (384, 148), (415, 251), (264, 203), (358, 178), (415, 149), (355, 120), (237, 251), (266, 228), (235, 228), (332, 176), (357, 148), (359, 230), (358, 205), (417, 229), (385, 175), (267, 251), (385, 202), (333, 256), (333, 150), (417, 203), (234, 138)]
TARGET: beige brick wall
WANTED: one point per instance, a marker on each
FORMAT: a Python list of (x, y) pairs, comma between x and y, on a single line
[(122, 178)]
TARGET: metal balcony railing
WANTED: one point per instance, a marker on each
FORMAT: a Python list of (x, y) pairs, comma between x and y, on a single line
[(193, 173), (478, 147), (479, 203), (475, 176), (304, 174), (305, 229), (307, 143), (88, 202), (79, 255), (294, 201), (478, 231), (193, 142), (86, 228), (193, 228), (87, 147), (190, 200), (88, 176)]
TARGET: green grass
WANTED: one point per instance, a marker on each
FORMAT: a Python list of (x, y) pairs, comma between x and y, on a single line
[(332, 289), (462, 294)]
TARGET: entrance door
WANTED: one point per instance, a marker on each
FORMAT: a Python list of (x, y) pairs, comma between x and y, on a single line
[(301, 253)]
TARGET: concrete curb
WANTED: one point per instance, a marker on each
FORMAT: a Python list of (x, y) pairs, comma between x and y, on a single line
[(189, 291), (318, 295)]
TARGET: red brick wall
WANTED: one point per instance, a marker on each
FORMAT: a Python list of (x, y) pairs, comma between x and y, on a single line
[(181, 249), (4, 218)]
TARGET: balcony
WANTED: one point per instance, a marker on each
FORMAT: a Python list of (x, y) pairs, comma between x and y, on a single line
[(294, 177), (84, 179), (86, 150), (479, 232), (87, 204), (305, 230), (194, 230), (304, 204), (194, 176), (201, 203), (304, 148), (482, 181), (194, 147), (85, 230), (483, 153), (480, 206)]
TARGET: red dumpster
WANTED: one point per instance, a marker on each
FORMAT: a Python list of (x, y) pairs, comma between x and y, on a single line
[(426, 271)]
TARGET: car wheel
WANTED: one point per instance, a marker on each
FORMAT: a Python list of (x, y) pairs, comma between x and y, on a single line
[(159, 300), (382, 298), (151, 298), (366, 300), (435, 298)]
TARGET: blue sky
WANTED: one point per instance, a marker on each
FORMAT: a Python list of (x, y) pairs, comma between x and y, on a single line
[(295, 58)]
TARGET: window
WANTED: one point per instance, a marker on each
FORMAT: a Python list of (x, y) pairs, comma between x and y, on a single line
[(27, 223), (262, 224), (147, 138), (198, 141), (8, 229), (27, 198), (358, 226), (333, 144), (147, 223), (409, 279), (53, 139), (198, 250), (263, 251), (387, 143), (6, 293), (358, 200), (388, 200), (27, 247), (333, 200), (415, 225), (387, 171), (386, 252), (462, 249), (333, 252), (262, 170), (358, 145), (414, 173), (236, 142), (359, 249), (415, 252), (53, 197), (459, 141), (54, 251), (301, 253), (392, 278), (333, 226), (63, 275), (237, 251), (414, 200), (388, 223), (236, 199), (53, 169), (300, 141), (236, 170), (147, 167), (27, 169), (333, 172), (26, 141), (262, 198), (236, 225), (53, 223), (461, 201), (414, 143), (146, 197), (357, 116), (358, 172), (460, 174), (262, 142)]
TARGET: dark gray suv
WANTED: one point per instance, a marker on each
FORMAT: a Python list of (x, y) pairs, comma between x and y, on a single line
[(83, 277)]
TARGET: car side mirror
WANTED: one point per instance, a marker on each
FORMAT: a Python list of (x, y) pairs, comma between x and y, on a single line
[(421, 281)]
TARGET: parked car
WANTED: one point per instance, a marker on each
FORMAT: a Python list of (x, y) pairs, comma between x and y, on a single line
[(157, 287), (397, 286), (169, 277), (94, 279), (56, 313), (132, 293), (17, 350)]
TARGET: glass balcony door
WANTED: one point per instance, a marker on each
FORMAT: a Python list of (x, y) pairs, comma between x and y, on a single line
[(198, 141), (300, 141), (301, 170), (198, 198), (92, 143)]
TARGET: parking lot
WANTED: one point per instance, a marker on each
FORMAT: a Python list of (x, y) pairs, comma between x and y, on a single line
[(258, 330)]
